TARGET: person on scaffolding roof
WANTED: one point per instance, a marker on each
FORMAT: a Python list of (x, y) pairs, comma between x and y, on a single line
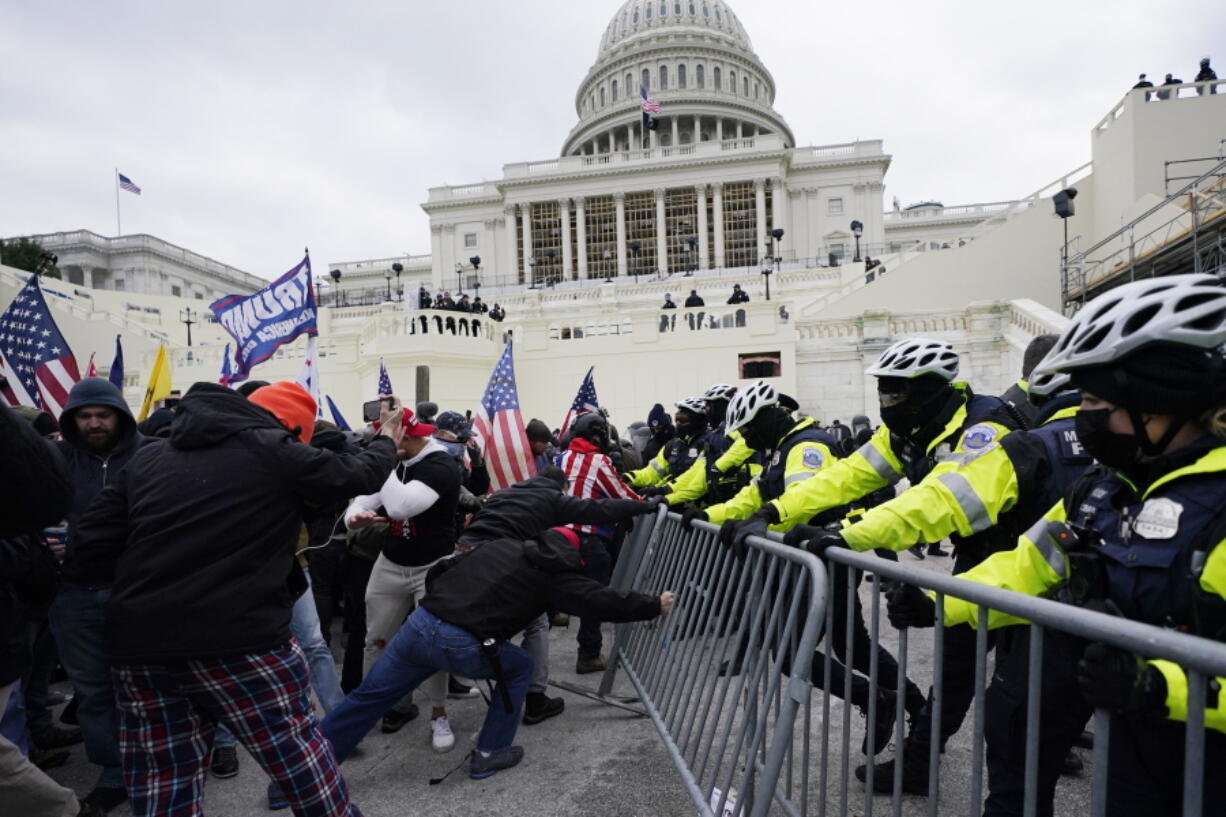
[(1140, 534)]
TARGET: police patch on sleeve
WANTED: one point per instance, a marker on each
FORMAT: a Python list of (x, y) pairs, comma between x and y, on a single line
[(813, 458), (978, 437)]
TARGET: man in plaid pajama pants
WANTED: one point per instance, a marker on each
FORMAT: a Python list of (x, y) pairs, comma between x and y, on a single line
[(199, 532)]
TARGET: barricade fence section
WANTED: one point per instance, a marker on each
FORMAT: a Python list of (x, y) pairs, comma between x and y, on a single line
[(727, 681), (716, 675)]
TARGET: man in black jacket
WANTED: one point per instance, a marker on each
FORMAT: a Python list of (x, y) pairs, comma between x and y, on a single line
[(199, 533), (523, 511), (35, 491), (100, 438), (474, 604)]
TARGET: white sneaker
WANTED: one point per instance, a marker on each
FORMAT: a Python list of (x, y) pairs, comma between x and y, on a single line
[(442, 737)]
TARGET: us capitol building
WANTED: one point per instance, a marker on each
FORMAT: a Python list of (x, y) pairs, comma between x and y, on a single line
[(580, 250)]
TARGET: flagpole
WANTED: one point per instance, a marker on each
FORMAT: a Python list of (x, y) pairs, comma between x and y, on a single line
[(118, 227)]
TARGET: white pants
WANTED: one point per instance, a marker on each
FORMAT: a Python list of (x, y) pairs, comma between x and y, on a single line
[(391, 592)]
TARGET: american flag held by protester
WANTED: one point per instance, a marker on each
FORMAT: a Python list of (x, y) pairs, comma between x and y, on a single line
[(501, 426), (385, 382), (34, 357), (584, 401)]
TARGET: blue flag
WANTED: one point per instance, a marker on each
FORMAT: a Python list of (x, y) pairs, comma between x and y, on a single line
[(277, 314), (336, 415), (226, 371), (115, 375)]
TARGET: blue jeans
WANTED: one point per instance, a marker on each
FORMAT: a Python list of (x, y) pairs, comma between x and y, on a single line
[(78, 616), (304, 624), (423, 646)]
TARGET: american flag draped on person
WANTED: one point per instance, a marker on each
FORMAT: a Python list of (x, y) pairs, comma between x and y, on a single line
[(501, 426), (35, 361), (584, 401)]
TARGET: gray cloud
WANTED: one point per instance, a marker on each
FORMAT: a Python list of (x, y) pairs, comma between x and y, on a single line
[(258, 128)]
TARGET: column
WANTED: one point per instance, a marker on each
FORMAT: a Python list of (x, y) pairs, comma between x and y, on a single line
[(719, 129), (759, 195), (448, 242), (676, 131), (655, 139), (436, 260), (815, 236), (717, 213), (581, 235), (612, 141), (779, 210), (510, 262), (525, 210), (564, 212), (661, 229), (700, 196), (739, 129), (620, 199), (697, 136)]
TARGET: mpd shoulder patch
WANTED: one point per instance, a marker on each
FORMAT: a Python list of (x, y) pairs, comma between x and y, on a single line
[(813, 458), (979, 436)]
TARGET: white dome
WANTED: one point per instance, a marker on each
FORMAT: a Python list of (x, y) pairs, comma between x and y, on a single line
[(637, 17)]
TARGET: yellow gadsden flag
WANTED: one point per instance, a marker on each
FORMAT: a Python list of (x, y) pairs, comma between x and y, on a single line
[(159, 383)]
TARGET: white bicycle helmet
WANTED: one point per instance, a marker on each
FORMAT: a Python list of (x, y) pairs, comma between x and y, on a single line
[(748, 402), (1176, 310), (917, 356), (1048, 383), (720, 391), (694, 405)]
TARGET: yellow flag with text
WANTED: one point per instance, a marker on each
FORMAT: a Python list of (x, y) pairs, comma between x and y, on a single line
[(159, 383)]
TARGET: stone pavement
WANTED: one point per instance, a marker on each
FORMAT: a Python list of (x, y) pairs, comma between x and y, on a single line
[(592, 761)]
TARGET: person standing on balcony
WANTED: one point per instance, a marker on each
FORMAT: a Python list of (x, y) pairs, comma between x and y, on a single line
[(694, 300), (739, 296), (1170, 80), (668, 301), (1206, 74)]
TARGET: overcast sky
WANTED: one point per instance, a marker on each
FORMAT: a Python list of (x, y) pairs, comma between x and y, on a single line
[(258, 128)]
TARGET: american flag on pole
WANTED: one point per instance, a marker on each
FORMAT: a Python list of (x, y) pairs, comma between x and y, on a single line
[(308, 376), (584, 402), (385, 382), (128, 184), (227, 371), (34, 357), (91, 370), (501, 426), (648, 105)]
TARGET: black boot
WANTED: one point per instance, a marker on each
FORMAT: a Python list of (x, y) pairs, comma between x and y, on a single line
[(914, 772), (885, 721)]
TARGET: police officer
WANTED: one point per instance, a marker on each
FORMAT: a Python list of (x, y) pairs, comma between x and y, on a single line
[(726, 464), (1141, 531), (991, 494), (678, 454)]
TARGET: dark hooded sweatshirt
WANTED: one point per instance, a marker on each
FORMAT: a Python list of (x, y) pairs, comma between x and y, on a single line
[(92, 472), (496, 590), (201, 529)]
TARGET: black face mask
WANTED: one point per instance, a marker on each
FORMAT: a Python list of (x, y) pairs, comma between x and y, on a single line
[(915, 412), (1119, 451)]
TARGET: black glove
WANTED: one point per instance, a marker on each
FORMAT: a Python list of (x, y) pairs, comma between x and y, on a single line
[(687, 518), (734, 533), (798, 536), (655, 490), (908, 606), (1115, 679)]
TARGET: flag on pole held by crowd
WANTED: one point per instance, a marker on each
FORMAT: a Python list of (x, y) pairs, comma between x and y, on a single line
[(385, 382), (275, 315), (34, 357), (308, 376), (336, 415), (584, 402), (91, 370), (159, 383), (501, 427), (115, 375), (227, 371)]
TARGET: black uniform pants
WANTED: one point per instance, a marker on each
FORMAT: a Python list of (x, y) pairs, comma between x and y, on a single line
[(1062, 717), (1145, 768), (357, 576)]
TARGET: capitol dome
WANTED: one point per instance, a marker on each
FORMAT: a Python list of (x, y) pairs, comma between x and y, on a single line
[(695, 58)]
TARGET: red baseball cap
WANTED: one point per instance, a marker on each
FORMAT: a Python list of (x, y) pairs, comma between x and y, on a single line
[(412, 428)]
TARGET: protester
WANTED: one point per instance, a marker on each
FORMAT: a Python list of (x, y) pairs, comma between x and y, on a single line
[(100, 439), (542, 443), (199, 632), (475, 603)]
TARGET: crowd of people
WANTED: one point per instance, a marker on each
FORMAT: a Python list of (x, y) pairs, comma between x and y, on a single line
[(188, 573), (1204, 74), (462, 303)]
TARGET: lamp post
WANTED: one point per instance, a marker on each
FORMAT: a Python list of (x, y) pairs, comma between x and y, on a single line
[(771, 262), (607, 255), (387, 276), (1063, 202), (188, 317), (691, 243), (532, 271), (398, 268), (336, 277), (551, 254), (476, 262), (46, 261), (857, 230), (459, 278), (634, 248)]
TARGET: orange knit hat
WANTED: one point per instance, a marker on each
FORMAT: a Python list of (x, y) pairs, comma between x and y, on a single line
[(291, 404)]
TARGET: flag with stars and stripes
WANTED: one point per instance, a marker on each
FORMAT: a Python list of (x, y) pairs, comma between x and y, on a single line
[(127, 184), (501, 427), (385, 382), (585, 401), (308, 376), (34, 357)]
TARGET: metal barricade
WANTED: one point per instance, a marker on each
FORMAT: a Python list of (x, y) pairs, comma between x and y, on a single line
[(725, 675), (1201, 659)]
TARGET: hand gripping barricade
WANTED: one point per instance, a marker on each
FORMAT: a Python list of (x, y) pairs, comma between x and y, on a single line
[(742, 738)]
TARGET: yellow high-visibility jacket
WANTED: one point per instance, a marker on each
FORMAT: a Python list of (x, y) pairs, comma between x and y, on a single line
[(692, 485)]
